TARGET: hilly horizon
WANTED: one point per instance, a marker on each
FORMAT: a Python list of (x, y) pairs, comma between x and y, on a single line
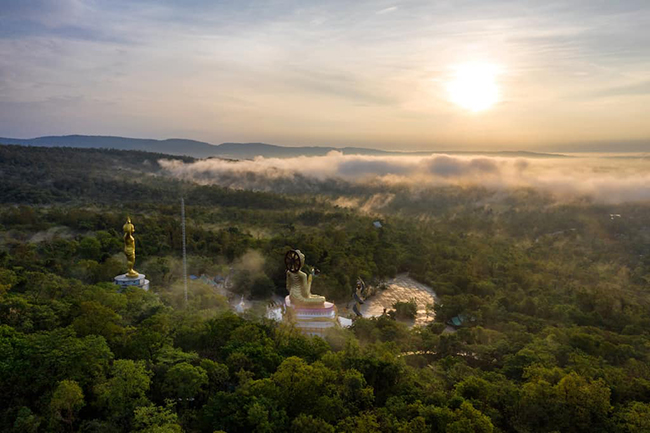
[(201, 149)]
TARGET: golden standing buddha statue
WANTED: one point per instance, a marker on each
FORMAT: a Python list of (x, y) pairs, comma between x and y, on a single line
[(129, 248)]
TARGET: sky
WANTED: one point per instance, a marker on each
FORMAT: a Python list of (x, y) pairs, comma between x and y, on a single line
[(382, 74)]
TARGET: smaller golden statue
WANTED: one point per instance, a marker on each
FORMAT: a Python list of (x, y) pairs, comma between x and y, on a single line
[(298, 283), (129, 248)]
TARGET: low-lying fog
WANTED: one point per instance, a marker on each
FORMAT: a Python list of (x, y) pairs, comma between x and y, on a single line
[(605, 179)]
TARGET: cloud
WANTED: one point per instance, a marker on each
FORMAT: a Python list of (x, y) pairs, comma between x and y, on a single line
[(386, 10), (636, 89), (602, 179), (252, 261), (448, 167)]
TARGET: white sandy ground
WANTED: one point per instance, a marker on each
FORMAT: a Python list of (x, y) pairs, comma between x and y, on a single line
[(402, 288)]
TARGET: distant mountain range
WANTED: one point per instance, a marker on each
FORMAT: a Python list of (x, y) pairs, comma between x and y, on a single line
[(621, 146), (200, 149)]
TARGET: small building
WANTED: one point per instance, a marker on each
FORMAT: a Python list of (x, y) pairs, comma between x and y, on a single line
[(459, 320)]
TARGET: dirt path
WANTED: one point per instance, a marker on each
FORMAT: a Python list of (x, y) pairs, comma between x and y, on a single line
[(401, 288)]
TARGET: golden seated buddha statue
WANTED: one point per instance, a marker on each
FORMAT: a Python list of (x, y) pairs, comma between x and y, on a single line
[(299, 283)]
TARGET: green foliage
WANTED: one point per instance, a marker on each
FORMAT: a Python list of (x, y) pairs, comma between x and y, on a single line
[(304, 423), (467, 419), (156, 419), (185, 382), (26, 421), (405, 310), (67, 400), (262, 287), (8, 279), (90, 248), (125, 390), (556, 336), (635, 418)]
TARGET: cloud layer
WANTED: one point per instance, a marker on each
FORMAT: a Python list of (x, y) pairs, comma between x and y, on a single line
[(606, 180)]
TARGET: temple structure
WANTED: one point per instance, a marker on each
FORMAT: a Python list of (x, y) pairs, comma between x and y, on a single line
[(312, 314), (131, 277)]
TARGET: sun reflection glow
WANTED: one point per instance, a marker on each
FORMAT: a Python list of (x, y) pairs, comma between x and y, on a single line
[(474, 86)]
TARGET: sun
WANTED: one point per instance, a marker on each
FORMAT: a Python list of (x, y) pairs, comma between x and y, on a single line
[(474, 87)]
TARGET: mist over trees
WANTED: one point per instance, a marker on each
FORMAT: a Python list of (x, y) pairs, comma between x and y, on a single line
[(558, 296)]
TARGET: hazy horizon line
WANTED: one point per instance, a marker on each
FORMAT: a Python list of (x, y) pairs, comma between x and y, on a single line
[(570, 147)]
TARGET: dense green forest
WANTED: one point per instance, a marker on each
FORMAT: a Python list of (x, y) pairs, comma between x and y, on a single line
[(558, 295)]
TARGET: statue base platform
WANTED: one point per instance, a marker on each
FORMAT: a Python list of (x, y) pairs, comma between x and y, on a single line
[(126, 281), (314, 320)]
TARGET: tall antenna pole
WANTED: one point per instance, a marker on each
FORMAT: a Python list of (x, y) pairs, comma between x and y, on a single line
[(184, 248)]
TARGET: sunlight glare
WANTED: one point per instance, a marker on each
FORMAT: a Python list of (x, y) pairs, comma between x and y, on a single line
[(473, 86)]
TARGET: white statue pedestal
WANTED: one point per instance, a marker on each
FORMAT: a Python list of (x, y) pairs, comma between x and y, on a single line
[(312, 320), (126, 281)]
